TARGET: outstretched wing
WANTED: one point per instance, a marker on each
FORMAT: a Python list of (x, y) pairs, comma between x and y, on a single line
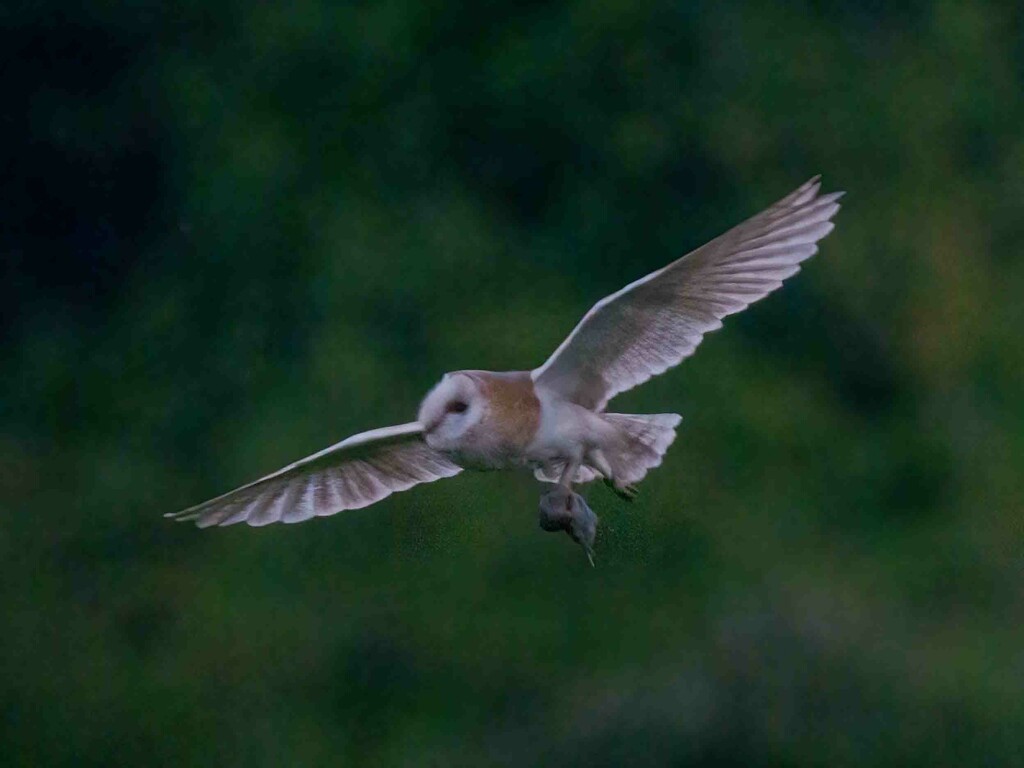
[(655, 323), (354, 473)]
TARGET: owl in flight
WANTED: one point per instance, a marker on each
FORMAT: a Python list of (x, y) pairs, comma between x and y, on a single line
[(553, 419)]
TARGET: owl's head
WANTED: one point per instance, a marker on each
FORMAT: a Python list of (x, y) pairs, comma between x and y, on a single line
[(450, 409)]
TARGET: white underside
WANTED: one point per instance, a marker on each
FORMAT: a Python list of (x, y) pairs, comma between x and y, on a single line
[(577, 445)]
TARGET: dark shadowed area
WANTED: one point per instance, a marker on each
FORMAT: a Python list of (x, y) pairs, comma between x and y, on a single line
[(235, 233)]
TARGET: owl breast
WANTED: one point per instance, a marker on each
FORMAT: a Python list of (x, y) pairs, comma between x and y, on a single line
[(499, 440)]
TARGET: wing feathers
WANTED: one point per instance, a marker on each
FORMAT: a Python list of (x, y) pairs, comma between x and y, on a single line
[(656, 322), (354, 473)]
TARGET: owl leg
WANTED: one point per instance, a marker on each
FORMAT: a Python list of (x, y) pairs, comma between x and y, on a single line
[(568, 473), (597, 460)]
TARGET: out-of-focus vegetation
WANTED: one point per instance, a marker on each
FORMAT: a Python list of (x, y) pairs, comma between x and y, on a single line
[(234, 233)]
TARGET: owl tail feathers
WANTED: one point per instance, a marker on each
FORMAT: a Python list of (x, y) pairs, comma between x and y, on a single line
[(642, 441), (636, 445)]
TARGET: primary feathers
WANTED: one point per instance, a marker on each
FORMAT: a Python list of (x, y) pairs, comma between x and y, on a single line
[(656, 322)]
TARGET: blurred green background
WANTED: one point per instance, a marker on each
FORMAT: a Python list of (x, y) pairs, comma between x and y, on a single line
[(235, 233)]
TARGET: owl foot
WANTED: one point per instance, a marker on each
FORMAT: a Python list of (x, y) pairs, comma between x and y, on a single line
[(563, 510), (624, 492)]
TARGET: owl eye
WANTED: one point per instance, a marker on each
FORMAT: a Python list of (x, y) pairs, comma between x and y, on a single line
[(456, 406)]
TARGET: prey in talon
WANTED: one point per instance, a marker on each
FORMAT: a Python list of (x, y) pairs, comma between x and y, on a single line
[(553, 419), (564, 510)]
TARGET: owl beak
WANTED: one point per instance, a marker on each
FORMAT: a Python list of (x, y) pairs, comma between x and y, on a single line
[(430, 433)]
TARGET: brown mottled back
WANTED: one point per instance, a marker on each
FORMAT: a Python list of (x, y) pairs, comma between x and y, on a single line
[(514, 408)]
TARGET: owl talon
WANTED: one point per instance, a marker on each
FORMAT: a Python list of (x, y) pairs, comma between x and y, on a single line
[(624, 492)]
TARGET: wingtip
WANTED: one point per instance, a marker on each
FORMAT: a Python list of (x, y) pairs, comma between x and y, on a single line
[(179, 517), (816, 180)]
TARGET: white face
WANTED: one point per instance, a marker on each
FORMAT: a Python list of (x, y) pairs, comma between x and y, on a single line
[(449, 410)]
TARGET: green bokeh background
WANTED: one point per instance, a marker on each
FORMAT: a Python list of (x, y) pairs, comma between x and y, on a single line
[(235, 233)]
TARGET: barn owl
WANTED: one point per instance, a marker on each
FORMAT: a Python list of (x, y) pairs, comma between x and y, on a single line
[(553, 419)]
